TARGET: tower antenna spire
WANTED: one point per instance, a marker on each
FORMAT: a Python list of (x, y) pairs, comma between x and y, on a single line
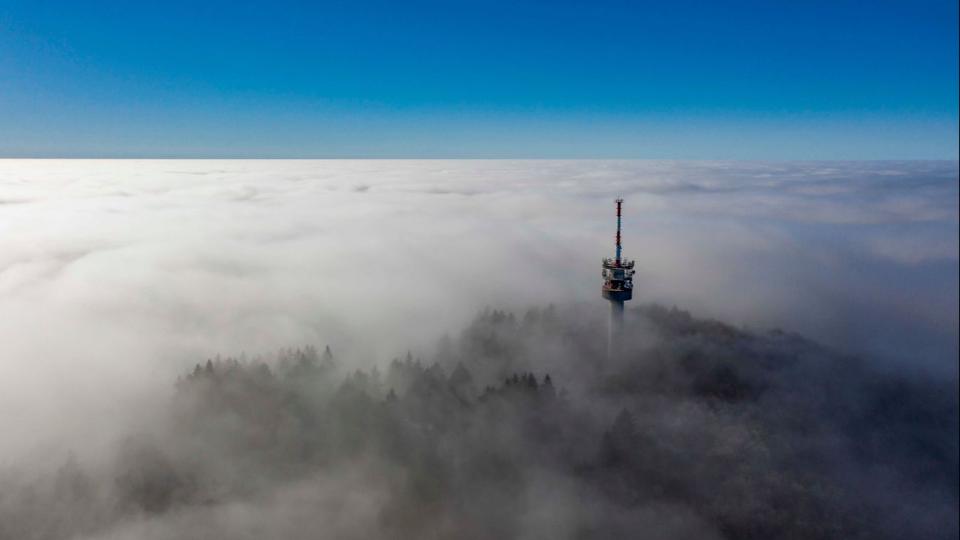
[(619, 247)]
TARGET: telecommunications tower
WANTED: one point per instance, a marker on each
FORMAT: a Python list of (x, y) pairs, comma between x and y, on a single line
[(617, 288)]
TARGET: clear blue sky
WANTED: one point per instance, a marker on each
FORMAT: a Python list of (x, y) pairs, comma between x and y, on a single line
[(669, 79)]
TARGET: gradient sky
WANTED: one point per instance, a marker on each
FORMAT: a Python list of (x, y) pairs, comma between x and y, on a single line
[(757, 80)]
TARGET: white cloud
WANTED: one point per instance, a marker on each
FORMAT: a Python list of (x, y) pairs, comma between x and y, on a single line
[(125, 272)]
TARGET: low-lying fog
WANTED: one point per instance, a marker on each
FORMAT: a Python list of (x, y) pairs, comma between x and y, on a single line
[(116, 277)]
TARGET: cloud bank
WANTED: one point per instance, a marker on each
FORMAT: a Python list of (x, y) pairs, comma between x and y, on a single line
[(116, 276)]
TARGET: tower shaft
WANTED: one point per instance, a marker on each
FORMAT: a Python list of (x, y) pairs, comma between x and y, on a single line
[(614, 328)]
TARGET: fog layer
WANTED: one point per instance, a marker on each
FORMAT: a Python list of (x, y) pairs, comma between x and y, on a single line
[(118, 276), (521, 427)]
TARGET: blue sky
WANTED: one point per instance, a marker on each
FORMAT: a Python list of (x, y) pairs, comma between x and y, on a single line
[(703, 80)]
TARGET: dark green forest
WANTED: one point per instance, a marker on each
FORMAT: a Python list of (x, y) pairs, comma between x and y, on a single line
[(521, 426)]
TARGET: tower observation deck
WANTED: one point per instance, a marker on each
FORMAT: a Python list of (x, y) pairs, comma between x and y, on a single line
[(617, 286)]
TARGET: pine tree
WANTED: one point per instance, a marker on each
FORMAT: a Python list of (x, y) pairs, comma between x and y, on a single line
[(547, 387), (327, 360)]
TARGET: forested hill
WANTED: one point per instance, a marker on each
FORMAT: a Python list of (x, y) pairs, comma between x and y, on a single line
[(521, 427)]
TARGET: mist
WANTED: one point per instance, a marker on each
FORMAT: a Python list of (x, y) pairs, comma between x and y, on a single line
[(805, 385)]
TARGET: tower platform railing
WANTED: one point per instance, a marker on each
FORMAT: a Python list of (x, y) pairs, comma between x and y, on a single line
[(612, 263)]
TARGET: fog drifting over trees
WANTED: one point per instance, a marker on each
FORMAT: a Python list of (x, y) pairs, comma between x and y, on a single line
[(121, 279)]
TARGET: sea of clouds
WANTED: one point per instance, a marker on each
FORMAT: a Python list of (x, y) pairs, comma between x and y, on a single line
[(117, 275)]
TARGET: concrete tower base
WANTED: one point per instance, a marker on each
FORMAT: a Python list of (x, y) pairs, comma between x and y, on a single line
[(615, 329)]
